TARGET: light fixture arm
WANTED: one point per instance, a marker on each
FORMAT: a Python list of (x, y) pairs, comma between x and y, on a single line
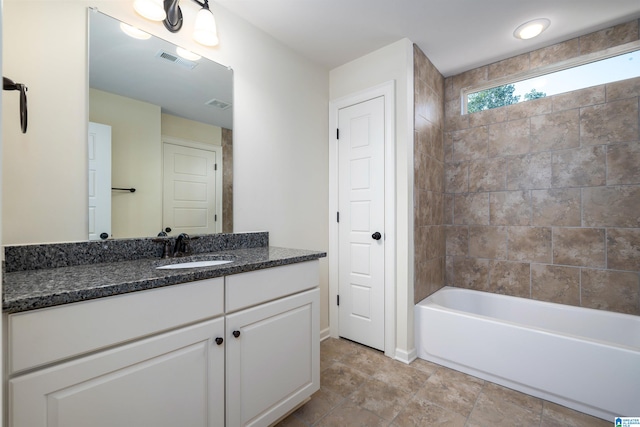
[(173, 21), (204, 5)]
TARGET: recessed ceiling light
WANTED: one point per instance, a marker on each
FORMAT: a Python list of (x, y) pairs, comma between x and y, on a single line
[(531, 29)]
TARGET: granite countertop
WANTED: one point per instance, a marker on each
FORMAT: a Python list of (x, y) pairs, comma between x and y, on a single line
[(33, 289)]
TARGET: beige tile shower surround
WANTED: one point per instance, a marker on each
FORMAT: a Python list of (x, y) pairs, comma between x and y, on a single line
[(541, 198), (361, 387), (429, 186)]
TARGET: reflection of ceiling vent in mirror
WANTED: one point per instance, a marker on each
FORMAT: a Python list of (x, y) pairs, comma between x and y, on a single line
[(176, 59), (218, 104)]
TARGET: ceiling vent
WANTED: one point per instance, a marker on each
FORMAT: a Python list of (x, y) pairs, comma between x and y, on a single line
[(176, 59), (218, 104)]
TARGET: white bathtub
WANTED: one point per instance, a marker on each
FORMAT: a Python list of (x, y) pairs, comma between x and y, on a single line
[(585, 359)]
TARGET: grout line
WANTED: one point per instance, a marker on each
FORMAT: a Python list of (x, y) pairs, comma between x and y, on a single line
[(542, 411), (475, 403), (580, 286), (552, 246)]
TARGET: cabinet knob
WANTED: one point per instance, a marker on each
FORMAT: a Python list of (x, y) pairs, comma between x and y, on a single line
[(219, 340), (236, 334)]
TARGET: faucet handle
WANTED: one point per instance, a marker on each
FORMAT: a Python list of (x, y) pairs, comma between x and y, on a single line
[(166, 250)]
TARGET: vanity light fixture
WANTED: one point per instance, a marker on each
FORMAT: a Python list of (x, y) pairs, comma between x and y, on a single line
[(169, 12), (205, 31), (531, 29)]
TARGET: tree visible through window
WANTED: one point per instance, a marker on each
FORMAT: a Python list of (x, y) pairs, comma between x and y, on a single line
[(498, 97), (621, 66)]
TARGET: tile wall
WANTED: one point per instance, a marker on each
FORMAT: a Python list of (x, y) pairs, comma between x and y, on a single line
[(542, 198), (429, 236), (227, 180)]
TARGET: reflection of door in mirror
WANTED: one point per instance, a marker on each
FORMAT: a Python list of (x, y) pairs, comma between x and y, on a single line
[(192, 189), (99, 148)]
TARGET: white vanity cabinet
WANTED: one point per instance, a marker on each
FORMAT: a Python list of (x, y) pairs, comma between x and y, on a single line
[(243, 350), (273, 348), (142, 359)]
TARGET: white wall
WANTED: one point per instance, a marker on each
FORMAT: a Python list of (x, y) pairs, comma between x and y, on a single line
[(280, 126), (181, 128), (45, 201), (136, 161), (393, 62)]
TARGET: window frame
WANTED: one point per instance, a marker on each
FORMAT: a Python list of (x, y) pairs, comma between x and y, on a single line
[(546, 69)]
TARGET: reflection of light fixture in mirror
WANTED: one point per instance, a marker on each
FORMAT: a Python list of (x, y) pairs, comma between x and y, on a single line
[(150, 9), (531, 29), (205, 30), (187, 54), (134, 32)]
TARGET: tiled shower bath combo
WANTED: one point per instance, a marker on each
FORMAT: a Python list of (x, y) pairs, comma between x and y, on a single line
[(536, 200)]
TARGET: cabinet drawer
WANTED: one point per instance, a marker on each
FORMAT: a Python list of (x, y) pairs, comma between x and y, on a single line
[(255, 287), (43, 336)]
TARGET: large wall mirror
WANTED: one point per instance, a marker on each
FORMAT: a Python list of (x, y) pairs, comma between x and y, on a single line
[(160, 136)]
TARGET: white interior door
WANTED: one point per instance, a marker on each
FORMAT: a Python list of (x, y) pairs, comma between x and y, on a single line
[(361, 210), (192, 196), (99, 145)]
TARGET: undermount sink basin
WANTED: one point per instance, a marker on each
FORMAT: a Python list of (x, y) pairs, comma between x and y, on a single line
[(194, 264)]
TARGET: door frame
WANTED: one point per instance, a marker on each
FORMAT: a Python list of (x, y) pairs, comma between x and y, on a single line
[(205, 147), (386, 90)]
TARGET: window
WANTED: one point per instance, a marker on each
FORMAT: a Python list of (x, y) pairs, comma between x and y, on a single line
[(614, 68)]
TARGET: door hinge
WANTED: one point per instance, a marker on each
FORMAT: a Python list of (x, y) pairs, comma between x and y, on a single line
[(337, 216), (337, 133), (338, 299), (215, 217), (215, 166)]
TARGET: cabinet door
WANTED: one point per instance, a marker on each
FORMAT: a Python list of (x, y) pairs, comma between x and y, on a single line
[(172, 379), (273, 365)]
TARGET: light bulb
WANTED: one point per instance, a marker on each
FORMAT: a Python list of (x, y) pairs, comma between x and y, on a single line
[(205, 31), (531, 29)]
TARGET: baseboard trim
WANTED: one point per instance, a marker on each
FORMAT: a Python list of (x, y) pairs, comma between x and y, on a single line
[(324, 334), (406, 356)]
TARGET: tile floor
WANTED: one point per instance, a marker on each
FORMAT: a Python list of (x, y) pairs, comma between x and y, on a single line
[(361, 387)]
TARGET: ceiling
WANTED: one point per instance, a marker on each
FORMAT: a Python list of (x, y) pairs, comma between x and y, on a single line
[(456, 35)]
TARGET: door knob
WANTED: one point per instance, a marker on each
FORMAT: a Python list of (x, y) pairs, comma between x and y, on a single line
[(376, 236)]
